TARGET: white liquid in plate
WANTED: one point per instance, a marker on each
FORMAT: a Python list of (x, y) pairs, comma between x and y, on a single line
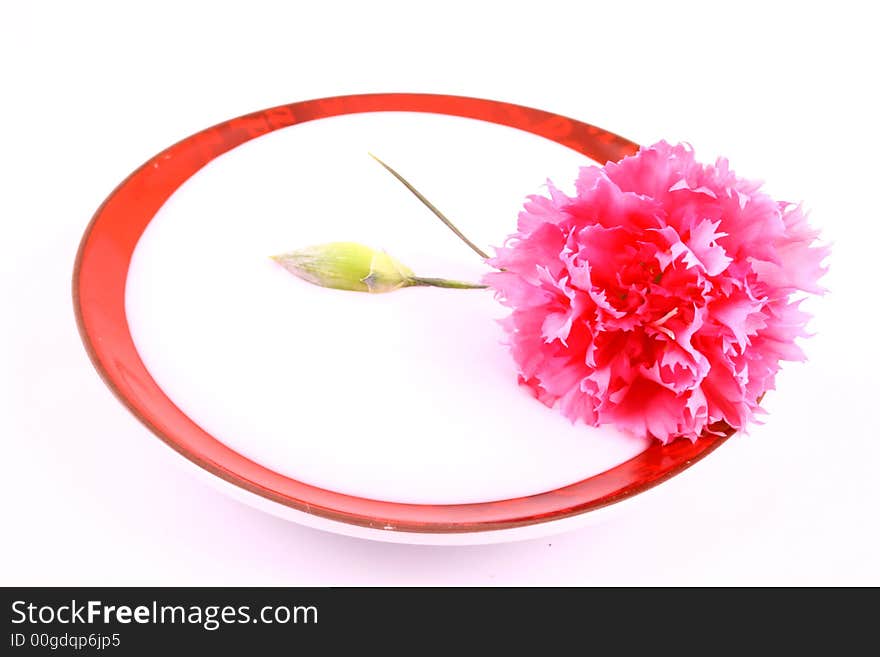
[(405, 397)]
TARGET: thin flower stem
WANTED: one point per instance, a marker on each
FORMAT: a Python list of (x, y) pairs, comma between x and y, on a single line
[(433, 209), (444, 282)]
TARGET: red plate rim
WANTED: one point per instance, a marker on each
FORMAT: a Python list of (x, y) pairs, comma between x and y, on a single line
[(101, 270)]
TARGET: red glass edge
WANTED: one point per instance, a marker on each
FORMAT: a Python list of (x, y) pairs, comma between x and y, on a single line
[(101, 269)]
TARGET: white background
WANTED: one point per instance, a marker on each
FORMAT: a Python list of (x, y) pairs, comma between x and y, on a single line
[(787, 92)]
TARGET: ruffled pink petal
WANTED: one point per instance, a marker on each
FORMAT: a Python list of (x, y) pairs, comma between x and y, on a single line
[(659, 297)]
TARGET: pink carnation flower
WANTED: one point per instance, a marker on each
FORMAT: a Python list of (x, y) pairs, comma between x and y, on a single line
[(660, 297)]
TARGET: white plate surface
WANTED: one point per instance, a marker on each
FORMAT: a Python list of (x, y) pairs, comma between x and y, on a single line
[(405, 397)]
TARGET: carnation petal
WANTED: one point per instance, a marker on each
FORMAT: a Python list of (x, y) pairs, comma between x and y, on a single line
[(702, 243), (659, 297)]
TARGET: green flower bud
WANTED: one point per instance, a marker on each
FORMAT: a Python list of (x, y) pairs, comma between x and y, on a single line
[(347, 266)]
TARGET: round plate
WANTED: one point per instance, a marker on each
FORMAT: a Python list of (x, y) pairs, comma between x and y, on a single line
[(101, 274)]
